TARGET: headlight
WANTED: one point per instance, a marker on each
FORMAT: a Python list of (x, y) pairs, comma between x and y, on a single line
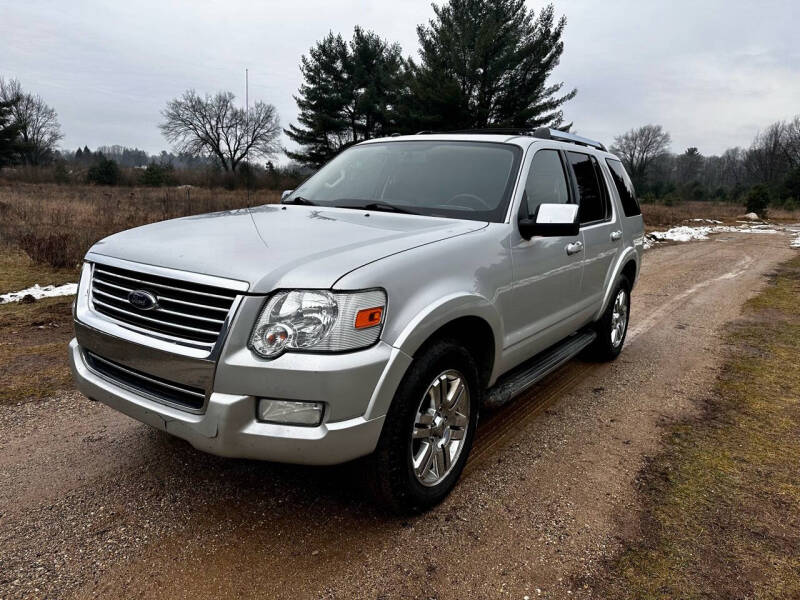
[(318, 321)]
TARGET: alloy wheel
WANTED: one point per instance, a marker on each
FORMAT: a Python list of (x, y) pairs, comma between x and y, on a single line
[(440, 427), (619, 318)]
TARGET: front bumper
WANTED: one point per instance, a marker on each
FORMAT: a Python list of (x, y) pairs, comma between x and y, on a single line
[(228, 426), (356, 387)]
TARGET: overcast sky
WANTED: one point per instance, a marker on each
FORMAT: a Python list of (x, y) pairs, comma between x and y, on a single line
[(711, 72)]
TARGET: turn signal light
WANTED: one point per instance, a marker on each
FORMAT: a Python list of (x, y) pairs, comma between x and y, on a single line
[(369, 317)]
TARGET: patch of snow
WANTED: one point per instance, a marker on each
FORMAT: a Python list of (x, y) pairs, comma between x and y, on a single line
[(752, 217), (686, 233), (712, 221), (796, 242), (38, 292), (682, 233)]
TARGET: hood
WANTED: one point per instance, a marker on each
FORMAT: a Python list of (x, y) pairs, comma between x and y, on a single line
[(275, 246)]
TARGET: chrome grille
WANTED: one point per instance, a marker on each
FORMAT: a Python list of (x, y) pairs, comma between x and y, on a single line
[(186, 311), (161, 389)]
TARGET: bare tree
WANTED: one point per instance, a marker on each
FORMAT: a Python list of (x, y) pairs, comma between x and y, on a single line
[(792, 141), (766, 158), (639, 147), (38, 123), (213, 126)]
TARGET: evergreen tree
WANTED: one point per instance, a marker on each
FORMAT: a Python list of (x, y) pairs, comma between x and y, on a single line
[(348, 94), (486, 63), (9, 134)]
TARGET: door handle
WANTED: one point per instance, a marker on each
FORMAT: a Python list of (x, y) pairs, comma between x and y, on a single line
[(574, 248), (616, 235)]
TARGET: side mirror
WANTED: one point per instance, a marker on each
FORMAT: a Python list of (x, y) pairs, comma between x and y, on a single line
[(285, 194), (551, 220)]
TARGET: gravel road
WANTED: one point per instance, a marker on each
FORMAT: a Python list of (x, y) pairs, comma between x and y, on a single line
[(93, 504)]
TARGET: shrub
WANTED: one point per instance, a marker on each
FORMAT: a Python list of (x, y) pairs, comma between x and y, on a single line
[(757, 200), (60, 173), (156, 175), (55, 249), (104, 172)]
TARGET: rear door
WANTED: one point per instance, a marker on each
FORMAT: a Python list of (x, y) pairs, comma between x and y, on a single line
[(600, 226)]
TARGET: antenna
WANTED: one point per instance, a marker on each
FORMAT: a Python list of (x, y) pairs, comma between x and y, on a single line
[(247, 124)]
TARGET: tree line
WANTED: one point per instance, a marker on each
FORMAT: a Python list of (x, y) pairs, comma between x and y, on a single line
[(481, 64), (766, 172)]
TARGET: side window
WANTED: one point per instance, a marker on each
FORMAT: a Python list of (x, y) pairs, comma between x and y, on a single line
[(624, 185), (547, 183), (603, 183), (593, 203)]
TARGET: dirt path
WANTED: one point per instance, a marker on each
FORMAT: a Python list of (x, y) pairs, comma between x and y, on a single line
[(95, 504)]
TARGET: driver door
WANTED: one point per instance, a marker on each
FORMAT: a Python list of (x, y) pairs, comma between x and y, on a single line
[(546, 270)]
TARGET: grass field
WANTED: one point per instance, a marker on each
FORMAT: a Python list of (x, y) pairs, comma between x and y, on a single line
[(722, 500), (55, 225), (658, 216), (33, 337)]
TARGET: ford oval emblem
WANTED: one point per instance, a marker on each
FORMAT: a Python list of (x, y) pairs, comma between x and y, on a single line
[(143, 300)]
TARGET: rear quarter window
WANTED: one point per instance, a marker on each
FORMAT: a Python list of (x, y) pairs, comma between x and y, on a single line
[(593, 202), (624, 185)]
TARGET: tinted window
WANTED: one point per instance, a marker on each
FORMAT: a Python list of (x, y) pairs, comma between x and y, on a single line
[(591, 198), (624, 185), (546, 182), (463, 180)]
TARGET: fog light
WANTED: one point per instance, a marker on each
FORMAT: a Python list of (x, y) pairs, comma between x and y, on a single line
[(287, 412)]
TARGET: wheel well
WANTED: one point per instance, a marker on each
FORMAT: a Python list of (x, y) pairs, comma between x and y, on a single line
[(629, 270), (476, 336)]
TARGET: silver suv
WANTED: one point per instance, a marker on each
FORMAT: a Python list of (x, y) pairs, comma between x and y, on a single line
[(374, 310)]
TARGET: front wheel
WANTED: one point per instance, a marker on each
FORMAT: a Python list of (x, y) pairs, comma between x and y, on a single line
[(429, 430), (612, 327)]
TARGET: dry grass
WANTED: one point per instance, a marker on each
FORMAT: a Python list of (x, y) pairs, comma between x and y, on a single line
[(33, 337), (657, 216), (722, 500), (55, 225)]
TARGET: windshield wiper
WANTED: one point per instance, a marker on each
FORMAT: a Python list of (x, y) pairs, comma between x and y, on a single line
[(300, 200), (379, 207)]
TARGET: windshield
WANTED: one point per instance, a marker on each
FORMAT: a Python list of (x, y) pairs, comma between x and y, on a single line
[(462, 180)]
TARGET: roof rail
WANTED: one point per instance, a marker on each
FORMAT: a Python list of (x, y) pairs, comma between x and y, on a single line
[(546, 133), (494, 131)]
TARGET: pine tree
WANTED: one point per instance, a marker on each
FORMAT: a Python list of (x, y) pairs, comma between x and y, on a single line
[(322, 100), (486, 63), (348, 94)]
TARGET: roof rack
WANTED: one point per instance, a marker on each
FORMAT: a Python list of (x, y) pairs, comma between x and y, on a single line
[(494, 131), (546, 133)]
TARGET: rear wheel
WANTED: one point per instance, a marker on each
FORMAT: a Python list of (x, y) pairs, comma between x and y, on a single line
[(429, 430), (612, 327)]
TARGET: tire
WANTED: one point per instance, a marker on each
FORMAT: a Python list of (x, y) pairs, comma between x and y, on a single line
[(610, 338), (407, 434)]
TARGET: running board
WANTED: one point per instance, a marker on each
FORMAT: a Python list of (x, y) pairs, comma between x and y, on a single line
[(524, 376)]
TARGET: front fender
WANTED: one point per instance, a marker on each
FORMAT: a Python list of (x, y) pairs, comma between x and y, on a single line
[(445, 310)]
